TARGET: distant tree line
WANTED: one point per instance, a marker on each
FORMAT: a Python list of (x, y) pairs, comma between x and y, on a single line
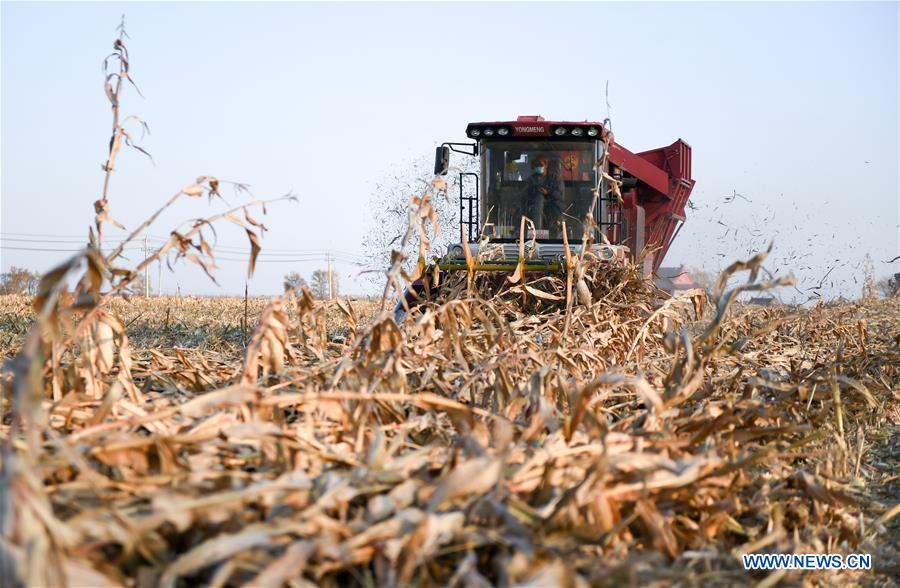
[(19, 280), (323, 284)]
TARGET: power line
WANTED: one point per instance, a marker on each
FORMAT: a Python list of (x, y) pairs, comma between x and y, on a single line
[(85, 240), (53, 250), (39, 235), (267, 255), (220, 248), (60, 235), (52, 238), (275, 251), (259, 260), (274, 254)]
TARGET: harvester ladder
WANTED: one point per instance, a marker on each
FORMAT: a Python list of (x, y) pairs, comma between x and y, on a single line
[(611, 220), (468, 208)]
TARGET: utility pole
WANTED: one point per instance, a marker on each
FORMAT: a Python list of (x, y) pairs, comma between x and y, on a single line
[(244, 322), (146, 272), (159, 280), (330, 281)]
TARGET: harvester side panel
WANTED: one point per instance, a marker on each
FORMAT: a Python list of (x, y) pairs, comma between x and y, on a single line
[(662, 188)]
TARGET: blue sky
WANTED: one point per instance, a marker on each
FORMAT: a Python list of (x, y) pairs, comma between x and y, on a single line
[(794, 106)]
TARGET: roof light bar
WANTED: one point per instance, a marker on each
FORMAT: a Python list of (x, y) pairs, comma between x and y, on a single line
[(560, 131)]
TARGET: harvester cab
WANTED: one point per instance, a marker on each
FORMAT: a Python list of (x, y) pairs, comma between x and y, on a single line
[(556, 175)]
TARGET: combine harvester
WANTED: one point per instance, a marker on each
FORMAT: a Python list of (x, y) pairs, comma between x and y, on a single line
[(548, 172)]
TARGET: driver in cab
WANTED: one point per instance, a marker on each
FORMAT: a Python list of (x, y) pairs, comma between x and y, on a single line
[(543, 194), (535, 192)]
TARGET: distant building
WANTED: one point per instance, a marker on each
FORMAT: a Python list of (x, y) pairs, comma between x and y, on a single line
[(673, 279), (894, 285), (763, 300)]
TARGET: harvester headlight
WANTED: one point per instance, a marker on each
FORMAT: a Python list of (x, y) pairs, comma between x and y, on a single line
[(607, 253), (488, 132), (593, 132), (503, 131), (560, 131), (577, 132), (475, 132), (455, 252)]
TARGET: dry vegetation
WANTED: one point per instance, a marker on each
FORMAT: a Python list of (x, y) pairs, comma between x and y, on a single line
[(572, 430), (204, 324), (476, 445)]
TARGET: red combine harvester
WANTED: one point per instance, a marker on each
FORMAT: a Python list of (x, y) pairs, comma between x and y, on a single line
[(548, 172)]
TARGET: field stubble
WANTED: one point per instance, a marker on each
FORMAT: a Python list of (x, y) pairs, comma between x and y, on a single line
[(483, 442), (209, 324)]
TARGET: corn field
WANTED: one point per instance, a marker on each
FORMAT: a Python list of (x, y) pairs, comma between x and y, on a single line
[(563, 430), (476, 444)]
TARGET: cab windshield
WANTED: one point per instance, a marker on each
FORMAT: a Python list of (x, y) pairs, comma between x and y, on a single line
[(548, 182)]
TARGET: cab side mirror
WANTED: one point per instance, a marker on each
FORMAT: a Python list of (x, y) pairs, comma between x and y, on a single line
[(441, 160)]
